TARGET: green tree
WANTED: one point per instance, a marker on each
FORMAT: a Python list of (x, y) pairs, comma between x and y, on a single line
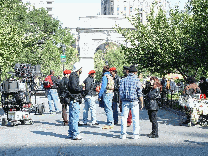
[(113, 55), (32, 37), (170, 44)]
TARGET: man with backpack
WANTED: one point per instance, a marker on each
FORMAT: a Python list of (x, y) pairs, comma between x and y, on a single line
[(75, 99), (107, 92), (50, 84), (64, 95), (130, 94), (90, 94)]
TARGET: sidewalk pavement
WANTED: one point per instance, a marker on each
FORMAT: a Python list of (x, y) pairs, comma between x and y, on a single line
[(48, 137)]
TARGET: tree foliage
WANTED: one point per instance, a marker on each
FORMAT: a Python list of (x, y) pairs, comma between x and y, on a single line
[(174, 43), (32, 37), (113, 55)]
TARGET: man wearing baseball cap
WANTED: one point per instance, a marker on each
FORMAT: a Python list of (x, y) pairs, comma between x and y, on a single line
[(90, 94), (63, 95), (75, 99), (115, 99)]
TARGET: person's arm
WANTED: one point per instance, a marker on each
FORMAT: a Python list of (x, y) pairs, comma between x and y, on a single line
[(139, 94), (103, 87)]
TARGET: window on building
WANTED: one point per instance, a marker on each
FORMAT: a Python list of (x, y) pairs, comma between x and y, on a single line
[(49, 9), (49, 2), (140, 14), (118, 13), (131, 9), (118, 8), (124, 8)]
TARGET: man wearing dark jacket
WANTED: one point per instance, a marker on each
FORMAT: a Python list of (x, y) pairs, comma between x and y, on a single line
[(52, 94), (90, 93), (64, 95), (115, 99), (75, 99)]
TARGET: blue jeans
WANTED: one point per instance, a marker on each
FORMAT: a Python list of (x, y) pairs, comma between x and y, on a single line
[(115, 111), (74, 110), (108, 108), (52, 95), (135, 116), (89, 103)]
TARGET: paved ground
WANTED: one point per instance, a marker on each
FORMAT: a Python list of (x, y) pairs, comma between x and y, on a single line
[(48, 137)]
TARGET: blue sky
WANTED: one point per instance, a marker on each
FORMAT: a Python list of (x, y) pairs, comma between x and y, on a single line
[(69, 11)]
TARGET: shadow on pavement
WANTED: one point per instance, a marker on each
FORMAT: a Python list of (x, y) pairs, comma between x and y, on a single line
[(50, 134), (102, 134), (198, 143), (104, 150), (49, 123)]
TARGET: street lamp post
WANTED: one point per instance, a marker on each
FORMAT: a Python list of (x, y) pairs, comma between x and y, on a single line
[(63, 57)]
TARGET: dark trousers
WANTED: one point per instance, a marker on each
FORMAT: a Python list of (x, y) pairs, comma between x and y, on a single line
[(153, 119), (64, 114)]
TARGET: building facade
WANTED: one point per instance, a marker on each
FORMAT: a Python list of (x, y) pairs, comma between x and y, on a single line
[(47, 4), (131, 7)]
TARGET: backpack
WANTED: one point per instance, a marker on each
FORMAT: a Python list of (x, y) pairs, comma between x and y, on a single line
[(63, 85), (48, 82), (110, 83)]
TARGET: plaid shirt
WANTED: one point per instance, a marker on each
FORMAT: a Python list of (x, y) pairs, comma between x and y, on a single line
[(130, 88)]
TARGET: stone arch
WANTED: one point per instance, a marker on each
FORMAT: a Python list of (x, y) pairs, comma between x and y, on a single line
[(95, 31)]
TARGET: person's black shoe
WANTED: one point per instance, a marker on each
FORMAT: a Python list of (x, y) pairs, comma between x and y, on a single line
[(153, 136), (95, 124), (79, 124), (149, 134), (115, 123)]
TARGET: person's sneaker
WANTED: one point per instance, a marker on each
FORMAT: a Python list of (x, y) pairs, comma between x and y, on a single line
[(115, 123), (123, 136), (149, 134), (58, 112), (136, 137), (78, 137), (128, 124), (50, 112), (94, 124), (153, 136), (80, 124), (65, 123)]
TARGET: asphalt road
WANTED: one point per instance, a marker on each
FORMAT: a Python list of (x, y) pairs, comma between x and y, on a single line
[(47, 136)]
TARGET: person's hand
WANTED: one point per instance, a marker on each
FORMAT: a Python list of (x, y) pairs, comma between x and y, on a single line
[(142, 107), (99, 99)]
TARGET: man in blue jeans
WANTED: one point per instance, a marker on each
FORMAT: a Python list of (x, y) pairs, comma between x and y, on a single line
[(52, 94), (75, 100), (115, 99), (130, 92), (90, 94), (107, 94)]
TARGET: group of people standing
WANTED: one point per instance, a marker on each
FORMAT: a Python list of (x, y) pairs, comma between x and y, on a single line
[(125, 93)]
